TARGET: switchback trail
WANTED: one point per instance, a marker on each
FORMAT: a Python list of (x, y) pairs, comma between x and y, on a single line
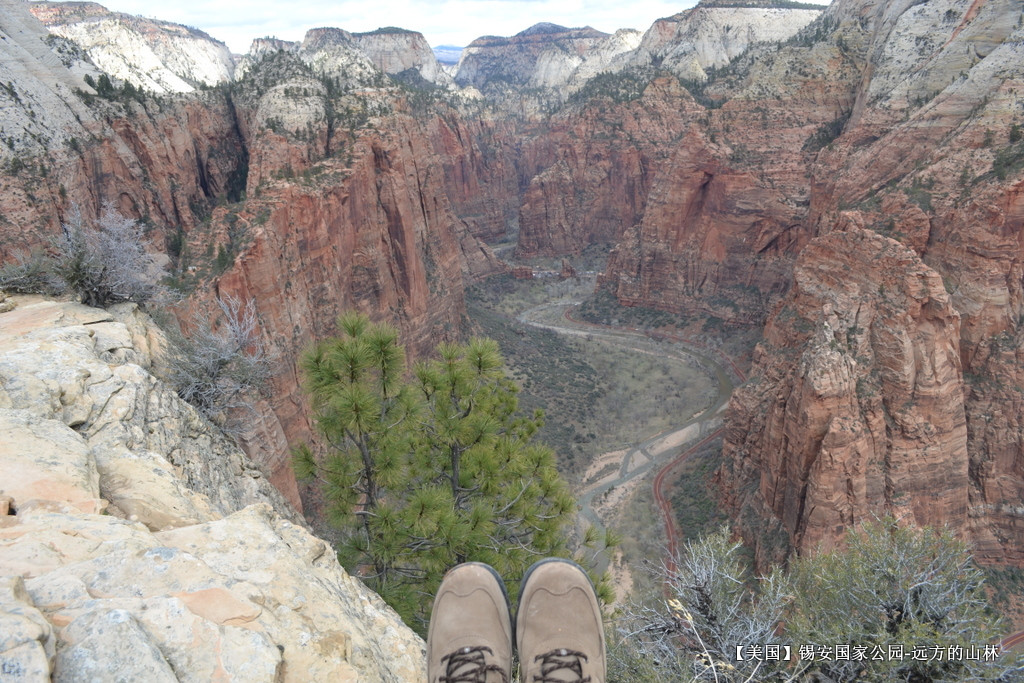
[(665, 450)]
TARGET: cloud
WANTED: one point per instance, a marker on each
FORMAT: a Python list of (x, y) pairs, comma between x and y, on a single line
[(443, 22)]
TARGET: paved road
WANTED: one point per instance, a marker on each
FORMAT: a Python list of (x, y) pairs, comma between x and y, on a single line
[(666, 449), (664, 502), (1012, 641)]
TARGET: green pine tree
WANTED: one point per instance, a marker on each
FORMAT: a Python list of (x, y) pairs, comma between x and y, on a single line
[(430, 468), (365, 412), (510, 505)]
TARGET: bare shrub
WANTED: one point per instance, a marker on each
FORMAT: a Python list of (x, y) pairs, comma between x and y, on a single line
[(30, 273), (106, 263), (711, 610), (892, 589), (220, 369)]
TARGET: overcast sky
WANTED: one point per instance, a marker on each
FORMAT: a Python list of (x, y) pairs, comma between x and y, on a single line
[(443, 22)]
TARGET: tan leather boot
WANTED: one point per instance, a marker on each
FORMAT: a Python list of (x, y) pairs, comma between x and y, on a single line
[(470, 636), (559, 631)]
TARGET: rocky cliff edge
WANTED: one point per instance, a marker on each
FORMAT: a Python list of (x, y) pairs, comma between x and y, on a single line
[(137, 542)]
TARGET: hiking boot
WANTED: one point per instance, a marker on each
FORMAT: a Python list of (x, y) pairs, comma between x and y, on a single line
[(559, 631), (470, 636)]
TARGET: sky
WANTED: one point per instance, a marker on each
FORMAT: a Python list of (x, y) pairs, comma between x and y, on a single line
[(443, 22)]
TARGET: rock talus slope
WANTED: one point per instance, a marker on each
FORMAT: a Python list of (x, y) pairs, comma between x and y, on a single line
[(136, 541)]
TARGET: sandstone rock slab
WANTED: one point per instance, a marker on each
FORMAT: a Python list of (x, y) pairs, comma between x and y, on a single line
[(46, 462)]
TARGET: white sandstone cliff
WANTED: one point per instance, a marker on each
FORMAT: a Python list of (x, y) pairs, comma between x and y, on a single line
[(158, 56), (38, 104), (694, 40), (395, 51)]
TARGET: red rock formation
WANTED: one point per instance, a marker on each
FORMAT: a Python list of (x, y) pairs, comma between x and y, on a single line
[(728, 212), (152, 161), (480, 175), (931, 161), (383, 242), (588, 172), (708, 203), (350, 217), (856, 408)]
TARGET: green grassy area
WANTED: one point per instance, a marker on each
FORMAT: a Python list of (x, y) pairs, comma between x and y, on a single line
[(733, 340), (1006, 593), (552, 377), (508, 296), (604, 309), (641, 526), (599, 397)]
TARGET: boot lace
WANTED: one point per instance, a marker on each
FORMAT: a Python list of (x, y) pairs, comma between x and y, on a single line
[(468, 665), (560, 659)]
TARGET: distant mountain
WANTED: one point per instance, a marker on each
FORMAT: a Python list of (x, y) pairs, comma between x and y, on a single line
[(158, 56), (544, 55), (448, 54)]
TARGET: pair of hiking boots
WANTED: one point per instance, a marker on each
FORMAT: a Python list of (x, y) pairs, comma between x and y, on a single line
[(558, 627)]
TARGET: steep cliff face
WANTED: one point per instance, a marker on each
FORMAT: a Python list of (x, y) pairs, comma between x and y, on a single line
[(348, 209), (307, 186), (158, 56), (727, 212), (709, 36), (378, 243), (550, 60), (136, 538), (481, 176), (589, 171), (396, 51), (930, 156), (857, 407), (65, 146)]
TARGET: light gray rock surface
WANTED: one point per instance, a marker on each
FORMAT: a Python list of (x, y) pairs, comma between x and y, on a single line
[(40, 109), (394, 51), (158, 56), (137, 542), (697, 39)]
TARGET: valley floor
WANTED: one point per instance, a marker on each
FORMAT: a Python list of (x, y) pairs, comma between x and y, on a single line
[(642, 400)]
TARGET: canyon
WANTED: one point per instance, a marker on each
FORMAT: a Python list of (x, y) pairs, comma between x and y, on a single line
[(849, 179)]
